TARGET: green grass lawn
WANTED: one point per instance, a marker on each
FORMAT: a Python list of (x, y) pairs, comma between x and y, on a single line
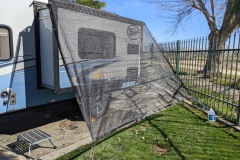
[(178, 132)]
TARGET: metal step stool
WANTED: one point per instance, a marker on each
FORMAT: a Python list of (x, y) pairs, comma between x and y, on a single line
[(35, 137)]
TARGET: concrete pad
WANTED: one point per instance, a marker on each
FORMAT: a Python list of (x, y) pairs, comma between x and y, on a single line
[(63, 122), (8, 155), (61, 152)]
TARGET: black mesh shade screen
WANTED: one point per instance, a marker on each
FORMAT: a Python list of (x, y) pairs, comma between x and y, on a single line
[(96, 44), (115, 66)]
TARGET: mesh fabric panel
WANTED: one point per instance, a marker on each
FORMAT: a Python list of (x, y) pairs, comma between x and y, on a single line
[(115, 66)]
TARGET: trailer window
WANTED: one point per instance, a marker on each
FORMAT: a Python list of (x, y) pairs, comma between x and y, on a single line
[(5, 43)]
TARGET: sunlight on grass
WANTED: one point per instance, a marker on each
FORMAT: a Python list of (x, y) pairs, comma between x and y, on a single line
[(179, 132)]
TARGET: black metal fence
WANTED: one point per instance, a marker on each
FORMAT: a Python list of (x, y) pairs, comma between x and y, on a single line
[(211, 74)]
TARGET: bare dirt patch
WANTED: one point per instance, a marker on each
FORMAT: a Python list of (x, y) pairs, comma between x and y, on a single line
[(160, 150), (64, 122)]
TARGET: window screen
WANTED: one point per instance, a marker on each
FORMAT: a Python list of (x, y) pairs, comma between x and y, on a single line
[(5, 43)]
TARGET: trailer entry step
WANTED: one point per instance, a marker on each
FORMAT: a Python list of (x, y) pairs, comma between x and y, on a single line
[(34, 137)]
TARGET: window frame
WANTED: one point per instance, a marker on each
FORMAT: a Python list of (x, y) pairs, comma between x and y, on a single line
[(10, 42)]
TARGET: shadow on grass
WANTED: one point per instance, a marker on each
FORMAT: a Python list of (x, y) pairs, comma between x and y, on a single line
[(83, 149), (214, 135), (185, 131), (166, 137), (220, 125)]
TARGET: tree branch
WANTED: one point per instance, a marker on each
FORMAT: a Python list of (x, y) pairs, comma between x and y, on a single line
[(213, 12), (211, 25), (231, 20)]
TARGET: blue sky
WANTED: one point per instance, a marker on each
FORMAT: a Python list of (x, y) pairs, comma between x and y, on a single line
[(148, 13)]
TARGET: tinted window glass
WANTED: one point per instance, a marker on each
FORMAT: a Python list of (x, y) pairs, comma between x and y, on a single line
[(5, 52)]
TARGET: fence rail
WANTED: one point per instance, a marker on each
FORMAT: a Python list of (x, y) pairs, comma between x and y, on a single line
[(209, 71)]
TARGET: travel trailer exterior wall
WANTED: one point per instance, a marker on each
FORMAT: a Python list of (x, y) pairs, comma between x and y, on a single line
[(20, 86), (31, 69)]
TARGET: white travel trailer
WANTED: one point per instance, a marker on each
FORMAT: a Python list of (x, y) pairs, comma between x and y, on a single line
[(32, 71), (22, 77)]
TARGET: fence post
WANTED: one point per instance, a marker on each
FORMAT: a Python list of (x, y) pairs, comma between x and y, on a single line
[(177, 57), (238, 115)]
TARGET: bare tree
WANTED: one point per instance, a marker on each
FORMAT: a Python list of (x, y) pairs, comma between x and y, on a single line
[(222, 16)]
